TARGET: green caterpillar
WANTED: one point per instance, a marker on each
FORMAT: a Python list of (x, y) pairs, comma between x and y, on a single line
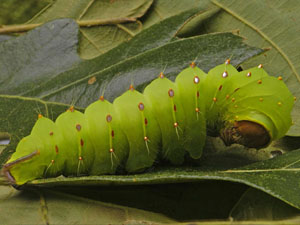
[(169, 120)]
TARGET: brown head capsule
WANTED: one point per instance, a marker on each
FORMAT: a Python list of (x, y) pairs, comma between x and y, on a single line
[(161, 75), (193, 64), (101, 98)]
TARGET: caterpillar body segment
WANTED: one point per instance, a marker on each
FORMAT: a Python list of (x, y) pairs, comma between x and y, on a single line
[(169, 120)]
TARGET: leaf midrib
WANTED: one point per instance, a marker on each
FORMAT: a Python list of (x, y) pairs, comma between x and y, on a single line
[(261, 33)]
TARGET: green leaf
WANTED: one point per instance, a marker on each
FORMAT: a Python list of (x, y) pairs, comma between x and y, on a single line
[(207, 51), (267, 24), (16, 11), (51, 207), (257, 205), (38, 56), (279, 177), (155, 36), (98, 39)]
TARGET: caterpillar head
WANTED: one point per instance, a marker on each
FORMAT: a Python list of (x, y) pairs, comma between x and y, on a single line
[(247, 133)]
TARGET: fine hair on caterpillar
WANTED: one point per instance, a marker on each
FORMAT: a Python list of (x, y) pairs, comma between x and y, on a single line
[(168, 120)]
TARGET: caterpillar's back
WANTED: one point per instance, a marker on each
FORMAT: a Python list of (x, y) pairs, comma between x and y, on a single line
[(169, 120)]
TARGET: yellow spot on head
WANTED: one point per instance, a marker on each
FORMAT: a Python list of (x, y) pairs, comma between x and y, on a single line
[(295, 98), (233, 99), (261, 99), (280, 78), (236, 117), (40, 116), (279, 103), (259, 81)]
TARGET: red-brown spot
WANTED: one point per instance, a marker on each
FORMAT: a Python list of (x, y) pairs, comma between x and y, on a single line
[(40, 116), (235, 90), (112, 133), (101, 98), (233, 99), (220, 88), (214, 99), (80, 158), (171, 93), (56, 149), (198, 94), (146, 121), (174, 108), (259, 81), (81, 142), (146, 138), (161, 75), (108, 118), (78, 127), (280, 78), (193, 64), (51, 133), (227, 61), (141, 106), (71, 109)]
